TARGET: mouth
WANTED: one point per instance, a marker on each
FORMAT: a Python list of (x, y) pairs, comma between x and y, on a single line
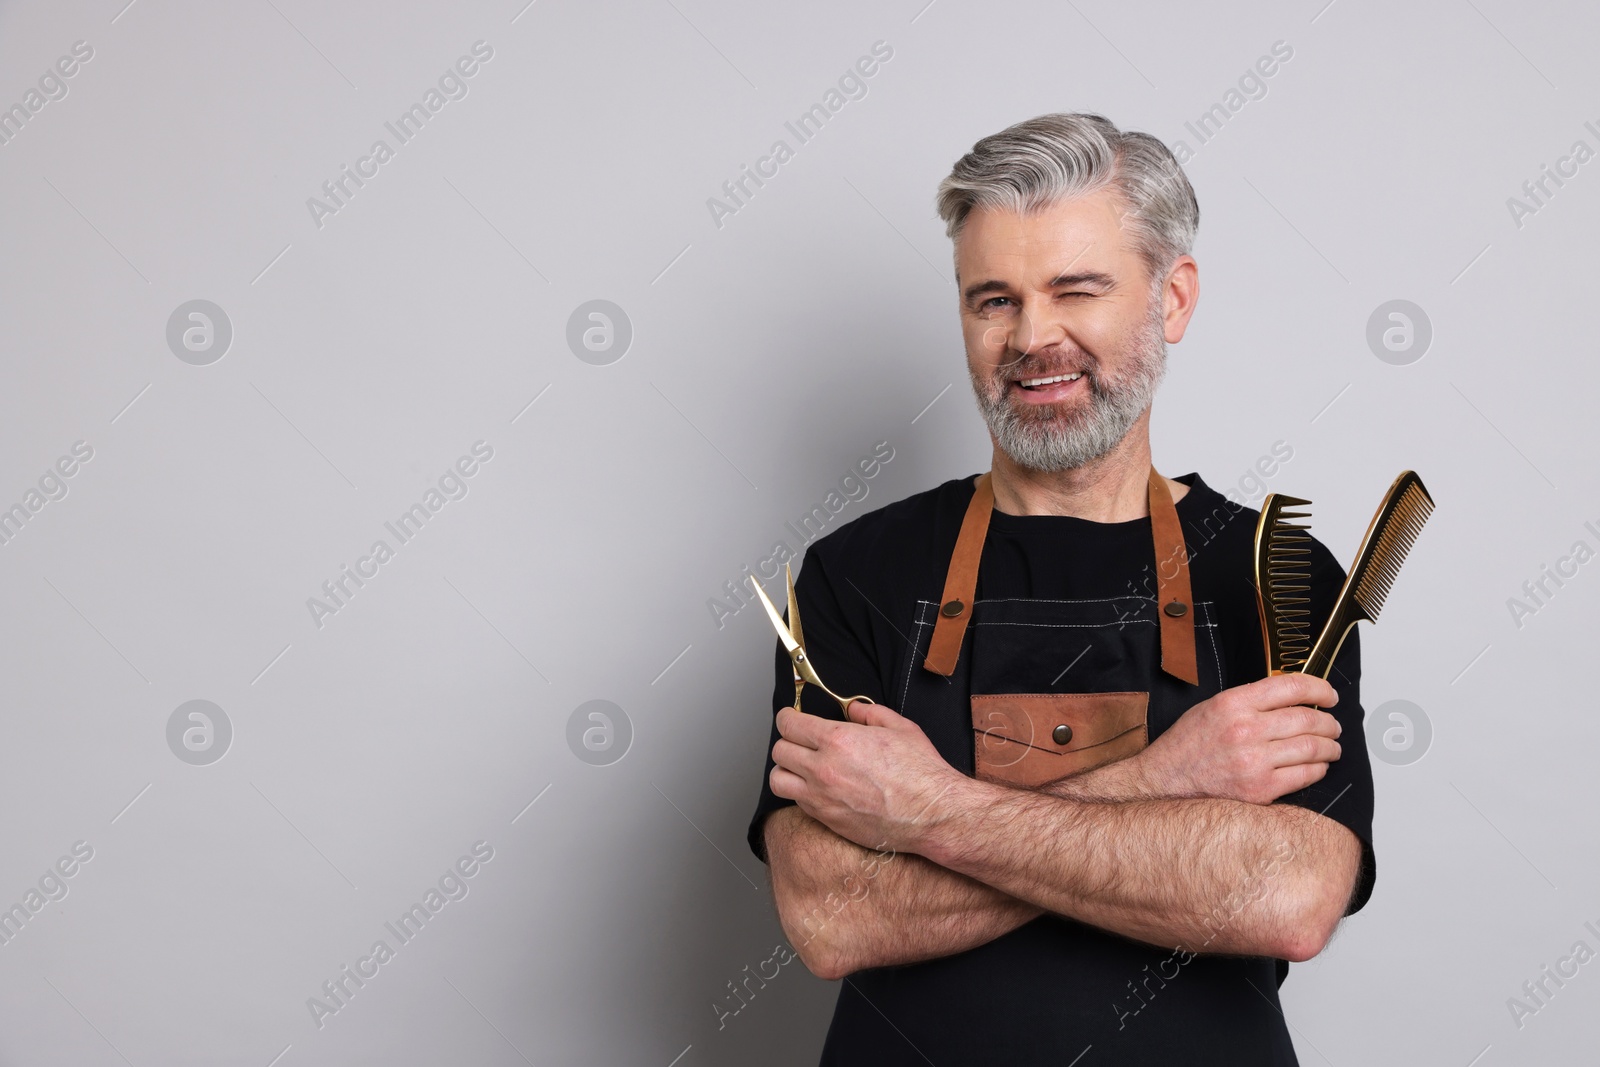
[(1049, 389)]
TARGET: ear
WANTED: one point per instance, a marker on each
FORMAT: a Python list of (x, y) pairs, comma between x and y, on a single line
[(1179, 295)]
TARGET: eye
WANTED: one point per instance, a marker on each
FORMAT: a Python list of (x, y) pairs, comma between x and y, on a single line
[(992, 303)]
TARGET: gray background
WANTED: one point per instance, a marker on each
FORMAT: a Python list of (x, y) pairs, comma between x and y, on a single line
[(768, 355)]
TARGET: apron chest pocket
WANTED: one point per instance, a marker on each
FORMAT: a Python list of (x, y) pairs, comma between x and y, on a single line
[(1031, 739)]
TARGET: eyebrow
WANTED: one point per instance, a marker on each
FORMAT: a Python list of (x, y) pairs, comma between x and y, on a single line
[(1093, 278)]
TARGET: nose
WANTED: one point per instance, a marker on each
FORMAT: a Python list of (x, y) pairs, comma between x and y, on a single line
[(1032, 330)]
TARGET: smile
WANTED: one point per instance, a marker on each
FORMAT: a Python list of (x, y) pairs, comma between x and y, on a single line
[(1034, 383)]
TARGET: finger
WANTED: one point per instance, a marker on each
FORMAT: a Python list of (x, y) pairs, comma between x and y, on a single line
[(1287, 690), (786, 784), (1304, 748), (1309, 689), (803, 729), (1282, 723), (867, 713), (796, 759), (1288, 780)]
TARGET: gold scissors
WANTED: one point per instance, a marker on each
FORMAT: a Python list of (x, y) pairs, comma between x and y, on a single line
[(794, 643)]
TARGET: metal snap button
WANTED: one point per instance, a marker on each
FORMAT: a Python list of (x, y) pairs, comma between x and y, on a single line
[(1062, 734), (952, 608), (1176, 608)]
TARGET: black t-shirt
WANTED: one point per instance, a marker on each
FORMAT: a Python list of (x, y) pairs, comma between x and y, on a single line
[(859, 594)]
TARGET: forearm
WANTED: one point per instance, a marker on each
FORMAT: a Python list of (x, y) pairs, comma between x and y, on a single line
[(845, 908), (1121, 780), (1199, 874)]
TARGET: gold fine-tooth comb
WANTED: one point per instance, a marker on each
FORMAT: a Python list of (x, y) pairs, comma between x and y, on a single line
[(1283, 582), (1406, 506)]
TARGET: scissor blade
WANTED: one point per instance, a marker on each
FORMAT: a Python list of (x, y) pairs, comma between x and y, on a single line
[(790, 645), (794, 609)]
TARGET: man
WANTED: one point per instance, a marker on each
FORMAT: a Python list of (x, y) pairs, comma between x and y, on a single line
[(1076, 820)]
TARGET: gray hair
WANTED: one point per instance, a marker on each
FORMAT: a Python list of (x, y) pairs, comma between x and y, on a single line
[(1056, 157)]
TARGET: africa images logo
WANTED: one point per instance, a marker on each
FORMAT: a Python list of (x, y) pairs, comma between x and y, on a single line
[(453, 485), (452, 85), (453, 885), (852, 488), (852, 85)]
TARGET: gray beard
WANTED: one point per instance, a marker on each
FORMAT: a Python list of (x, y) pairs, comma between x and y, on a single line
[(1049, 441)]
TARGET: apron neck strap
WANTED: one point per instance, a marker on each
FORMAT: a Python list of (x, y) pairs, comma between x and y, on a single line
[(1172, 583), (1172, 589), (961, 582)]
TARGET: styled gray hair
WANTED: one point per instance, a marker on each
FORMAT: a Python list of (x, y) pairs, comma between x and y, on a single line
[(1037, 163)]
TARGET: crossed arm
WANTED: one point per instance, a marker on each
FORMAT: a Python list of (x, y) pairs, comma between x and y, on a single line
[(891, 856)]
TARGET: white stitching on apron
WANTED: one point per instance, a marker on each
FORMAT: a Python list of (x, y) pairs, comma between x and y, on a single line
[(1042, 600), (916, 647), (1211, 632), (1071, 625), (1206, 624), (919, 623)]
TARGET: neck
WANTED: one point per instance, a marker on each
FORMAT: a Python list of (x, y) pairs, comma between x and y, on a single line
[(1113, 488)]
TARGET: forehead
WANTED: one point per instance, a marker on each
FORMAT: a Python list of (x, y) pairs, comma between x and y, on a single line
[(1086, 232)]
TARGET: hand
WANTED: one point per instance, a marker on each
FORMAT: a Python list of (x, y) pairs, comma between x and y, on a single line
[(868, 780), (1253, 742)]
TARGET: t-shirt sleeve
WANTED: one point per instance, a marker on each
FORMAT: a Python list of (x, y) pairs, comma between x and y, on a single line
[(839, 639), (1345, 793)]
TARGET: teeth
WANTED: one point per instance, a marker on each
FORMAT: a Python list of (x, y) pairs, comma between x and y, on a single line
[(1029, 383)]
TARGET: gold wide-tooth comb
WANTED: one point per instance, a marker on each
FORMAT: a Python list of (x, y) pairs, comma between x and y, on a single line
[(1406, 506), (1283, 582)]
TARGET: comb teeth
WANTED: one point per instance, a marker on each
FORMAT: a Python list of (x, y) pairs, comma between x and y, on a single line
[(1398, 532), (1283, 579), (1289, 585), (1394, 527)]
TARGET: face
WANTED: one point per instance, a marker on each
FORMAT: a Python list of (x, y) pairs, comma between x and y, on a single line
[(1065, 330)]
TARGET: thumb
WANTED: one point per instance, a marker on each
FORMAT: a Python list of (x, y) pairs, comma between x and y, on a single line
[(869, 714)]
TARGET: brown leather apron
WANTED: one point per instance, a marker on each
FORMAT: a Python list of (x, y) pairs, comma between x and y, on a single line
[(1028, 732)]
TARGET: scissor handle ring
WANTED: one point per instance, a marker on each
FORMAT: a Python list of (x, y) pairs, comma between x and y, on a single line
[(845, 702)]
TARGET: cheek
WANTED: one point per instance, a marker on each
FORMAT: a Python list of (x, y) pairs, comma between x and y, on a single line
[(1108, 332), (986, 340)]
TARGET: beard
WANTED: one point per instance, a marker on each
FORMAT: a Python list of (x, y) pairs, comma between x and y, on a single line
[(1047, 439)]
